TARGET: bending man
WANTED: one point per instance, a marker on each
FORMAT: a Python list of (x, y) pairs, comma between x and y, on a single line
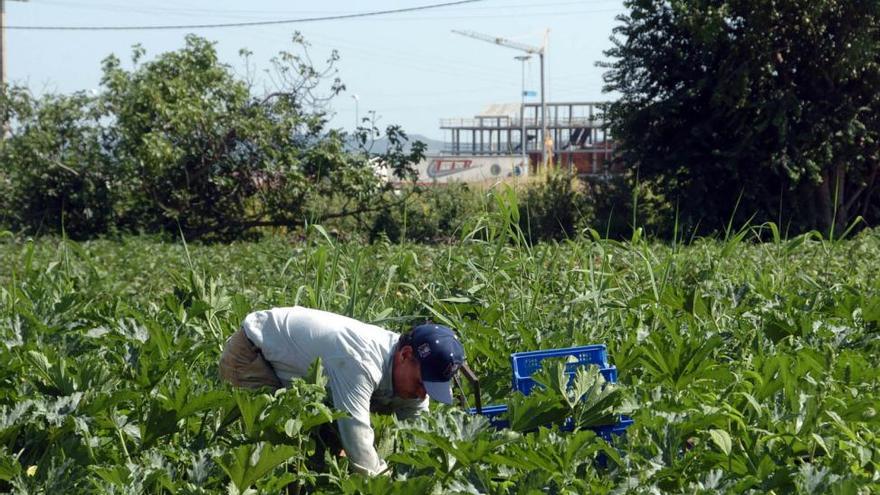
[(368, 368)]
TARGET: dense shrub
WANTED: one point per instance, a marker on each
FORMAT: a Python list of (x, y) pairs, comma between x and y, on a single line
[(611, 200), (558, 207), (554, 209), (55, 172), (622, 203), (432, 214)]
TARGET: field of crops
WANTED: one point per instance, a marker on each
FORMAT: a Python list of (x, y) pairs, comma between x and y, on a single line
[(747, 367)]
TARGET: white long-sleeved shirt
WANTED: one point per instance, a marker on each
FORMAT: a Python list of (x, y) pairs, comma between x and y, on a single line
[(357, 360)]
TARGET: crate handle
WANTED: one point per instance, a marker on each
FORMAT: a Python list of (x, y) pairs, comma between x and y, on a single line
[(475, 383)]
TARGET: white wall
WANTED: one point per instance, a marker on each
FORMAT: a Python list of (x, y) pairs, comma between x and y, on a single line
[(445, 169)]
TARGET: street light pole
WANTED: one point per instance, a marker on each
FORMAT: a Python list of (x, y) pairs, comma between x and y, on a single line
[(357, 121), (544, 132), (522, 112)]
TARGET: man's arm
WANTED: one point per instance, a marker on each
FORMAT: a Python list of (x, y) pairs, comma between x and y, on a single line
[(351, 387)]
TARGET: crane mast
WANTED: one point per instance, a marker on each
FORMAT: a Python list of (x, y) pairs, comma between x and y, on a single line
[(497, 40)]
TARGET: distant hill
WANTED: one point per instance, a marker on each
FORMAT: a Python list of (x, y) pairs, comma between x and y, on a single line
[(380, 145)]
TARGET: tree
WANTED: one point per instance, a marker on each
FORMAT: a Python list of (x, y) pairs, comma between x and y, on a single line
[(180, 142), (765, 109), (209, 156)]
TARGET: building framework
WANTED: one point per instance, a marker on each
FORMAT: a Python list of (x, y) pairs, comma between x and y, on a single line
[(580, 137)]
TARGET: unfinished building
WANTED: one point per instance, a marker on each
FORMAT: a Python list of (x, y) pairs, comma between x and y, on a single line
[(581, 141)]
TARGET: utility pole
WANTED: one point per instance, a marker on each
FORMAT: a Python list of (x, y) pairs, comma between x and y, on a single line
[(3, 67), (4, 125), (3, 43), (540, 51)]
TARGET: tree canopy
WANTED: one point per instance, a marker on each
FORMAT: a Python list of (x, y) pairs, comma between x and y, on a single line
[(181, 142), (749, 109)]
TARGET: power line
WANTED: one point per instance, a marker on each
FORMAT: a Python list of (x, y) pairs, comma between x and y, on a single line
[(410, 59), (255, 14), (554, 13), (243, 24)]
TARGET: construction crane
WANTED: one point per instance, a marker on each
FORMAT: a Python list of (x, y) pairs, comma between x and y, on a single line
[(534, 50)]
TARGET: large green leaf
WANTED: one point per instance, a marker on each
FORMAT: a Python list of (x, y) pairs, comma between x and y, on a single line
[(598, 403), (527, 412), (248, 463), (159, 423), (722, 439), (251, 405), (211, 400), (382, 485), (9, 466)]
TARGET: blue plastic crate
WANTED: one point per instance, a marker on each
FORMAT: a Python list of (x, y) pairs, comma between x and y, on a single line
[(615, 430), (603, 431), (526, 363), (495, 415), (609, 434), (525, 384)]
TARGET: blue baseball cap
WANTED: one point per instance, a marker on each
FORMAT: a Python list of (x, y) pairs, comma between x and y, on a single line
[(440, 354)]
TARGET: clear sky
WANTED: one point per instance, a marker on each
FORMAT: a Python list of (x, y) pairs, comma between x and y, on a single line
[(409, 68)]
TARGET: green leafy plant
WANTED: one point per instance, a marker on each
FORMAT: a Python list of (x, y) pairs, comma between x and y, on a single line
[(748, 367), (585, 397)]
